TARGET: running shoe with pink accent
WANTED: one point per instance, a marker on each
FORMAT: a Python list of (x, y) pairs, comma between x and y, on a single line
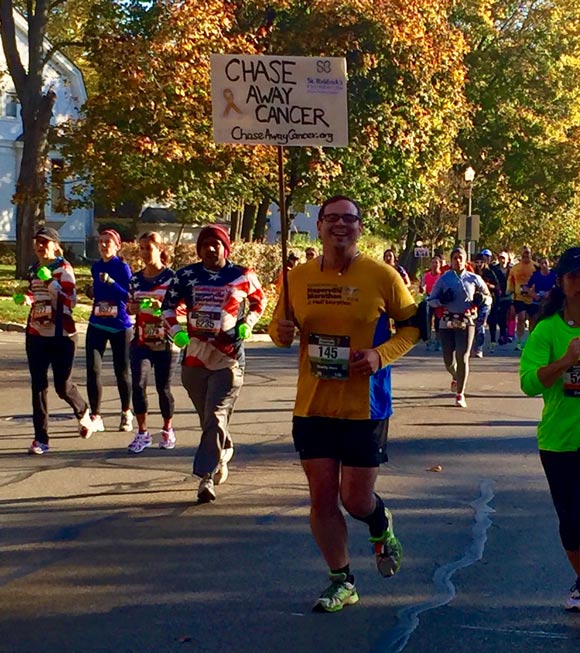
[(167, 439)]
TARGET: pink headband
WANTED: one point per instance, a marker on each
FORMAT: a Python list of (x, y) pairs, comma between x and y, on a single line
[(113, 234)]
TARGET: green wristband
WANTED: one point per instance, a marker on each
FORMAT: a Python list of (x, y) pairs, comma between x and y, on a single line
[(244, 331), (44, 273), (181, 339)]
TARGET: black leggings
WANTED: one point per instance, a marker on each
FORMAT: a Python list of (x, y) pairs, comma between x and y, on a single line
[(503, 308), (563, 473), (163, 363), (493, 321), (433, 319), (57, 352), (96, 344)]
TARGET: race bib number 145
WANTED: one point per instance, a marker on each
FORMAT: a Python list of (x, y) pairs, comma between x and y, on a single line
[(329, 356)]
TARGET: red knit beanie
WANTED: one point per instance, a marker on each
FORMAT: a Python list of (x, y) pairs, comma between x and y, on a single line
[(214, 231)]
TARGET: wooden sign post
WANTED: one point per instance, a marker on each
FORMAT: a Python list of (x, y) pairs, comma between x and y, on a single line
[(280, 101)]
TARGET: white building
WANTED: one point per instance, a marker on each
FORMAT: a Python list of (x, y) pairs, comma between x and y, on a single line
[(66, 81), (303, 223)]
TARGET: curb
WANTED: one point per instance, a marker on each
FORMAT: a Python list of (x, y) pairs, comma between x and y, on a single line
[(12, 326), (259, 337)]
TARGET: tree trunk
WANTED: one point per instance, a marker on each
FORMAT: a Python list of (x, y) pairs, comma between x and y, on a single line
[(234, 226), (27, 217), (30, 196), (181, 228), (261, 220), (135, 227), (248, 220), (407, 258)]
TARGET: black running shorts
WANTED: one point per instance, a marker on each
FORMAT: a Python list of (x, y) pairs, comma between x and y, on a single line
[(355, 443), (530, 309)]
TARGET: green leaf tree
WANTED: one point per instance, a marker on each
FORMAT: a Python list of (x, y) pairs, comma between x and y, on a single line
[(523, 85)]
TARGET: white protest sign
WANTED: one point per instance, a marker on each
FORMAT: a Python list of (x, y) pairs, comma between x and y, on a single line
[(278, 100)]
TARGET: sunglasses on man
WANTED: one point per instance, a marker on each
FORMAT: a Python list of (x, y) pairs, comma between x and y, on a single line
[(347, 218)]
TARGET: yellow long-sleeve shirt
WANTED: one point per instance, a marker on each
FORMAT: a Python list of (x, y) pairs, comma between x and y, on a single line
[(519, 276), (339, 313)]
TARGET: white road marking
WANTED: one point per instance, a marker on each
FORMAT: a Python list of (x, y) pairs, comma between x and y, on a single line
[(395, 639), (541, 634)]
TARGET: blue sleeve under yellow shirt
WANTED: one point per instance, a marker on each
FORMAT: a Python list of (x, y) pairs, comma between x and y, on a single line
[(340, 313)]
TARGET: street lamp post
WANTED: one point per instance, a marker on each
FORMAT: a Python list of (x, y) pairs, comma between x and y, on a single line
[(469, 176)]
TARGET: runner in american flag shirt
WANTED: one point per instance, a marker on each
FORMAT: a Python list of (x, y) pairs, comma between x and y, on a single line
[(51, 336), (224, 301), (151, 349)]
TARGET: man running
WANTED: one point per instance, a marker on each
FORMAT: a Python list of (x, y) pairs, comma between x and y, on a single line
[(342, 302), (501, 269), (224, 301), (484, 312), (517, 284)]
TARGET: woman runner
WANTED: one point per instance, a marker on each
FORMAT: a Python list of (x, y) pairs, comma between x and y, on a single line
[(51, 338), (150, 348), (109, 323), (550, 366), (459, 293), (390, 258)]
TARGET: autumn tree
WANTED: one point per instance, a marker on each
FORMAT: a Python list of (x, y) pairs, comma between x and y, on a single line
[(406, 102), (434, 85), (36, 111), (147, 131)]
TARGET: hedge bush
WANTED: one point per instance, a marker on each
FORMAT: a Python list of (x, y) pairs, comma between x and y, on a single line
[(7, 254)]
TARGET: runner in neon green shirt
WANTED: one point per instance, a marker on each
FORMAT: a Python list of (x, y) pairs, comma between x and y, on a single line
[(550, 366)]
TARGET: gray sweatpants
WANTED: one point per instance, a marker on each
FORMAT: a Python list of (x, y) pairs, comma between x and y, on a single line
[(456, 346), (214, 394)]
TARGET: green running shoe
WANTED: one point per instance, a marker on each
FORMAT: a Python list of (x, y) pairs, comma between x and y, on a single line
[(388, 549), (338, 594)]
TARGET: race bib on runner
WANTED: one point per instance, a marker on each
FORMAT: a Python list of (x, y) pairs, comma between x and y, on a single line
[(205, 323), (41, 311), (153, 333), (572, 381), (329, 356), (105, 309), (454, 321)]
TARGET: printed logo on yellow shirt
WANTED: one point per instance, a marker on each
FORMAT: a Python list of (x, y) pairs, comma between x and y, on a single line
[(332, 294)]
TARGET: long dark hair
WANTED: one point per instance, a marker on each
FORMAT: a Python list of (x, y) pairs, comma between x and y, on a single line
[(554, 302), (395, 257)]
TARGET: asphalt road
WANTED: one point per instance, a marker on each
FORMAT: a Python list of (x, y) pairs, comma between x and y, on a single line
[(103, 551)]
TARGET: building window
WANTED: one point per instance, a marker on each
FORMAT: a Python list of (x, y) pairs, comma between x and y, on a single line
[(11, 105), (57, 193)]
